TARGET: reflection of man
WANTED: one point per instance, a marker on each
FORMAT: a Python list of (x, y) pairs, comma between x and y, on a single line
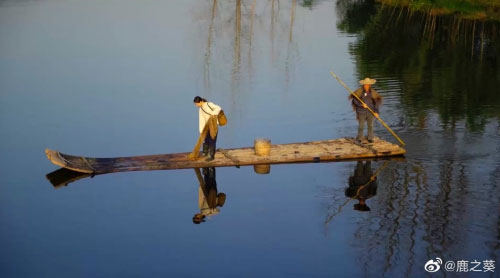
[(208, 199), (371, 99), (362, 186)]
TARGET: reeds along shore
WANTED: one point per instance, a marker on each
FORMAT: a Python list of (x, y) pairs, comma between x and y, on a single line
[(473, 23), (464, 9), (464, 50)]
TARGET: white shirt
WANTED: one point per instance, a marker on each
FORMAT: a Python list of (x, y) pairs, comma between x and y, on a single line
[(206, 110), (203, 204)]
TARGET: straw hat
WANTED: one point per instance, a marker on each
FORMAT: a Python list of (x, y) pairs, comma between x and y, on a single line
[(368, 81)]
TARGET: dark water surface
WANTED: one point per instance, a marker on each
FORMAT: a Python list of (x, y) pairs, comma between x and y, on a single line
[(115, 78)]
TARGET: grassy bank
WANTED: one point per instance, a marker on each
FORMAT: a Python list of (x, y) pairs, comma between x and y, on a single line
[(467, 9)]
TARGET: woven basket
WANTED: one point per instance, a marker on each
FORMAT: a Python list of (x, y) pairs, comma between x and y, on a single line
[(262, 147), (262, 169)]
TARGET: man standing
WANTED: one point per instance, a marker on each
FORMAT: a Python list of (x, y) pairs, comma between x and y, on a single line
[(371, 99), (208, 116)]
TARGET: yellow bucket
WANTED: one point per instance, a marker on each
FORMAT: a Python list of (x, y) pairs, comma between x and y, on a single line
[(262, 169), (262, 147)]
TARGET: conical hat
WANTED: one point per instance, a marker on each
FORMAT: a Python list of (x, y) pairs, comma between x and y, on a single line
[(367, 81)]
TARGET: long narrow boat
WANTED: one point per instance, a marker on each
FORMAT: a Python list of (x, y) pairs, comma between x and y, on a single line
[(317, 151)]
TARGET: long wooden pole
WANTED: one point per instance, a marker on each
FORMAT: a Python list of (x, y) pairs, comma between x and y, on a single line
[(371, 111), (200, 178), (196, 150)]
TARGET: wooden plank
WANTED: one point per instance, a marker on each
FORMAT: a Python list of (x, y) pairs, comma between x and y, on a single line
[(326, 150), (361, 144), (226, 154)]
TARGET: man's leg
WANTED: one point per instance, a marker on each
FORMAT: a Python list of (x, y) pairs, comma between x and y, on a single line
[(206, 144), (211, 186), (369, 120), (361, 126), (211, 148), (358, 172), (367, 169)]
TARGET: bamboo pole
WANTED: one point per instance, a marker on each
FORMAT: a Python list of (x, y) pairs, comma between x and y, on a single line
[(368, 108), (200, 178), (196, 150)]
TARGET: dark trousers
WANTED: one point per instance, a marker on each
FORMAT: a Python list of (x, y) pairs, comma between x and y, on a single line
[(211, 142), (362, 118), (210, 186)]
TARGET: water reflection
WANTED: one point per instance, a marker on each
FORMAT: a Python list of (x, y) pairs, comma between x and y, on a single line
[(362, 185), (439, 73), (443, 201), (208, 51), (232, 26), (63, 177), (237, 44), (309, 3), (433, 62), (416, 215), (209, 200), (262, 169), (18, 2)]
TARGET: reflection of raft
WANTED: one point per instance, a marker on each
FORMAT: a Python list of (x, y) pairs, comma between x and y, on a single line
[(327, 150)]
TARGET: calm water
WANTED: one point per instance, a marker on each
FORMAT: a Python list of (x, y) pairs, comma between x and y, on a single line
[(114, 78)]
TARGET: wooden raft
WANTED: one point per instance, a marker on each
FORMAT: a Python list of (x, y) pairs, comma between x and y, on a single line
[(317, 151)]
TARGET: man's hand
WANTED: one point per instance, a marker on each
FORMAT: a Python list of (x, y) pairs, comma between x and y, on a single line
[(376, 115), (365, 106)]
